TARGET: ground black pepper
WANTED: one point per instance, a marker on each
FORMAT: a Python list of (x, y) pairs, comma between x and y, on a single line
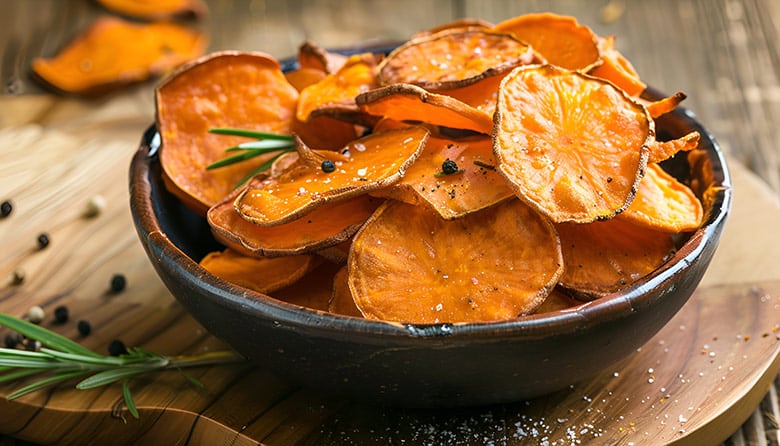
[(328, 166), (116, 348), (61, 314), (118, 283), (43, 240), (84, 328), (6, 208)]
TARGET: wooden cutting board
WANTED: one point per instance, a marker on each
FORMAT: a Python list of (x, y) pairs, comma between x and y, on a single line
[(694, 383)]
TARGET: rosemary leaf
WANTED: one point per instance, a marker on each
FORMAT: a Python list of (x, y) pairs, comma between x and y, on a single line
[(266, 144), (100, 360), (113, 375), (129, 399), (44, 336), (47, 382), (18, 374), (249, 133)]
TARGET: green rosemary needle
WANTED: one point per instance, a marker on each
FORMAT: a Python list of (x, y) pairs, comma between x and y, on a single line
[(266, 143), (61, 359)]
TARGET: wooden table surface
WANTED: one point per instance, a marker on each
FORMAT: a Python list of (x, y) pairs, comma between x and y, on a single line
[(722, 53)]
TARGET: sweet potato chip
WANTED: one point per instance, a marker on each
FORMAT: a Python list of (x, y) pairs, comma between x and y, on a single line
[(606, 256), (263, 275), (324, 132), (664, 204), (557, 300), (481, 95), (662, 150), (460, 24), (453, 177), (409, 265), (572, 146), (313, 290), (561, 40), (303, 77), (665, 105), (374, 161), (340, 88), (157, 9), (341, 301), (406, 102), (311, 55), (228, 89), (113, 53), (325, 226), (617, 69), (452, 59)]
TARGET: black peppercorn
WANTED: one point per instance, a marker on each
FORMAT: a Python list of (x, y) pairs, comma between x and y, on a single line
[(61, 314), (449, 166), (43, 240), (84, 328), (118, 283), (12, 340), (5, 209), (116, 348), (328, 166)]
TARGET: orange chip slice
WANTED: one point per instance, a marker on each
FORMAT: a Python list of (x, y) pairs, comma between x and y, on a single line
[(617, 69), (481, 95), (606, 256), (406, 102), (324, 132), (311, 55), (374, 161), (261, 274), (228, 89), (409, 265), (303, 77), (556, 301), (572, 146), (326, 226), (665, 105), (340, 88), (463, 23), (113, 53), (158, 9), (311, 291), (453, 58), (472, 184), (561, 40), (662, 150), (664, 204), (341, 301)]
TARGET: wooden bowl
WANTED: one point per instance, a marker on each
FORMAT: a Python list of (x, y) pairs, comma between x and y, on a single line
[(444, 365)]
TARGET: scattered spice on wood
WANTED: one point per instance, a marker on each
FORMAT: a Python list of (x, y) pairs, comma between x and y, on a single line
[(35, 314), (84, 328), (61, 314), (118, 283), (18, 277), (12, 340), (95, 206), (116, 348), (43, 240), (6, 208)]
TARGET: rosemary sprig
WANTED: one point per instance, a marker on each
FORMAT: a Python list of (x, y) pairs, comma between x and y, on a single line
[(266, 143), (61, 359)]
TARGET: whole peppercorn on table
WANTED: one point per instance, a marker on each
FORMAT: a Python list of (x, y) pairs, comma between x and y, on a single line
[(70, 248)]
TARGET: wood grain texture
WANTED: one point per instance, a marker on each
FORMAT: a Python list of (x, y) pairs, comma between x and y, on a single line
[(57, 152)]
